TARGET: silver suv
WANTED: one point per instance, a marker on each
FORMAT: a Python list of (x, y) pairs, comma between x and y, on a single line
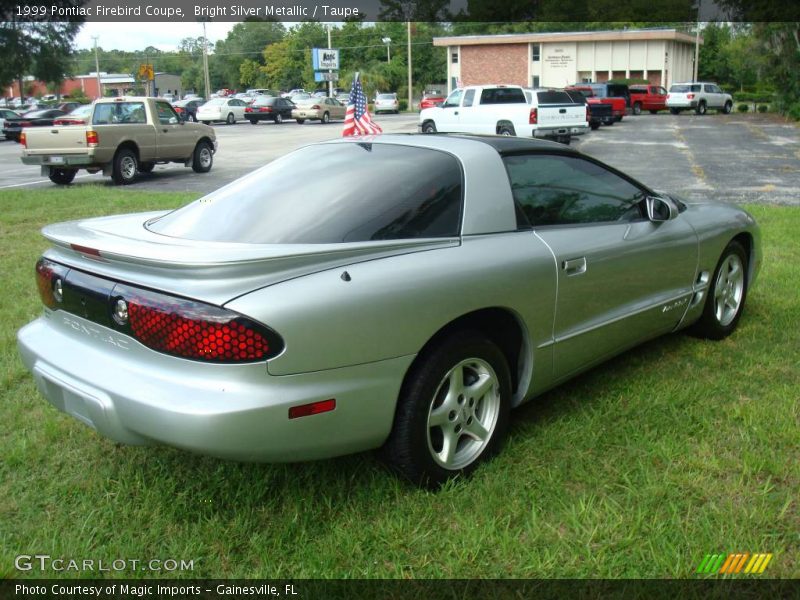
[(699, 96)]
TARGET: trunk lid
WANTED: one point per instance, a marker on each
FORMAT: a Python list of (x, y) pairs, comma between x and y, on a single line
[(55, 139), (123, 249)]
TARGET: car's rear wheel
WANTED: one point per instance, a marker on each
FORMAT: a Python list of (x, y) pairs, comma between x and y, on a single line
[(202, 158), (653, 112), (637, 108), (675, 111), (300, 121), (429, 127), (453, 410), (594, 125), (726, 295), (253, 122), (505, 130), (231, 119), (279, 118), (146, 167), (125, 167), (62, 176), (727, 108), (701, 108), (326, 118)]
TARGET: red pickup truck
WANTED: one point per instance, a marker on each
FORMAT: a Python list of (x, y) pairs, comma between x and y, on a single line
[(648, 97), (600, 93)]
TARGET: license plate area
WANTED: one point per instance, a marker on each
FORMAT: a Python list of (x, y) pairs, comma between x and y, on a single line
[(54, 160)]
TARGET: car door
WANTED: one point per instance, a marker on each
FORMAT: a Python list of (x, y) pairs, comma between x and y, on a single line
[(447, 117), (659, 97), (175, 139), (238, 108), (621, 278)]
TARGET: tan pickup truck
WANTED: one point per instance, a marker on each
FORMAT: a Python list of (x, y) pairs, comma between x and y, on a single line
[(124, 137)]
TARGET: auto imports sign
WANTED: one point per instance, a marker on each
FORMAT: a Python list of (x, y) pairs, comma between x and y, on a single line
[(325, 59)]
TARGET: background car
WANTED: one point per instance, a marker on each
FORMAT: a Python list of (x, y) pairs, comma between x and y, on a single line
[(7, 113), (78, 116), (229, 110), (386, 103), (290, 331), (431, 98), (319, 109), (32, 118), (269, 108), (294, 92), (299, 98), (187, 109), (698, 96)]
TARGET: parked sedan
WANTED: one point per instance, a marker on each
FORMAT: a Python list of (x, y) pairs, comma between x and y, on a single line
[(409, 316), (187, 109), (78, 116), (387, 103), (32, 118), (269, 108), (319, 109), (7, 113), (431, 99), (229, 110)]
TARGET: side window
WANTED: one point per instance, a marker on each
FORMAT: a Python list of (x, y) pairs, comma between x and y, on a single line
[(166, 116), (662, 90), (454, 99), (566, 190), (469, 96)]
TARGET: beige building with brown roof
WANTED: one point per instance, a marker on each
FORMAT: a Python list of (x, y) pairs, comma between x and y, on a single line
[(661, 56)]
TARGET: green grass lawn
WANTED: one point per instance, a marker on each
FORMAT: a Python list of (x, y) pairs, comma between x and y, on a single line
[(639, 468)]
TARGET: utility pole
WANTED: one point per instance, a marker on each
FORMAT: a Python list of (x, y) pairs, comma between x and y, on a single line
[(410, 88), (330, 78), (388, 42), (696, 47), (205, 62), (97, 68)]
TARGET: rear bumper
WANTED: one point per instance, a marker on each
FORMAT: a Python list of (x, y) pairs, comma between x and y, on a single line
[(551, 132), (61, 160), (133, 395)]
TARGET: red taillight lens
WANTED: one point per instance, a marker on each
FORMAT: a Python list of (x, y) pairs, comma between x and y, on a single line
[(248, 109), (49, 279), (195, 330), (315, 107), (690, 96), (23, 139), (264, 109), (92, 139), (533, 119), (588, 113), (315, 408), (24, 123)]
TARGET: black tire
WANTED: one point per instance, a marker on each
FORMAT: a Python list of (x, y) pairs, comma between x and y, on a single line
[(193, 117), (637, 108), (125, 168), (701, 108), (278, 119), (62, 176), (429, 127), (326, 118), (202, 157), (594, 125), (253, 121), (675, 111), (618, 118), (411, 449), (609, 122), (564, 139), (300, 121), (653, 112), (231, 119), (727, 108), (146, 167), (506, 130), (206, 122), (717, 324)]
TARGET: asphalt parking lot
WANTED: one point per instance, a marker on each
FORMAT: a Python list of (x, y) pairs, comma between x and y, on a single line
[(733, 158)]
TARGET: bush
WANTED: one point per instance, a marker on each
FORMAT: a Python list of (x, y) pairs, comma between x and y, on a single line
[(743, 108), (753, 97), (403, 104), (762, 108), (794, 111)]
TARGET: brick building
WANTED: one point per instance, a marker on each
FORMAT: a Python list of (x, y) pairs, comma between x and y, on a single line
[(661, 56)]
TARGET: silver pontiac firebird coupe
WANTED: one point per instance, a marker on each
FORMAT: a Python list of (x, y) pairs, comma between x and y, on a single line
[(405, 296)]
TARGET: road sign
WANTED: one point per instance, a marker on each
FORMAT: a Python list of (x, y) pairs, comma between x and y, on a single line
[(325, 58), (326, 76), (146, 72)]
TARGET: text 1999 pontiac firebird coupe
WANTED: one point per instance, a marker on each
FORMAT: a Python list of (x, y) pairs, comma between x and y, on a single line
[(404, 297)]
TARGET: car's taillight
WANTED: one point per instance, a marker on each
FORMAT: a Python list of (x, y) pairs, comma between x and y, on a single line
[(588, 113), (50, 280), (533, 119), (248, 109), (315, 107), (92, 139), (24, 123), (191, 329), (264, 109), (23, 139), (690, 96)]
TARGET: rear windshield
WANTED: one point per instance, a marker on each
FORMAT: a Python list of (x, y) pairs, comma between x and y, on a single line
[(322, 194), (554, 97), (385, 96), (684, 89), (264, 100), (119, 112), (502, 96), (216, 102)]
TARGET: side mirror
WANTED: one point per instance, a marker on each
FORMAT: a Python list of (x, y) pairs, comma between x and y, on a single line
[(660, 209)]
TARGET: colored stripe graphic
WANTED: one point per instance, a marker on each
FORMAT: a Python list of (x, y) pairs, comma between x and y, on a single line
[(726, 564)]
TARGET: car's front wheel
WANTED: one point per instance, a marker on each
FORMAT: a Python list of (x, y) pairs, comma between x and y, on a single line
[(202, 158), (726, 295), (326, 118), (453, 410), (429, 127), (675, 111)]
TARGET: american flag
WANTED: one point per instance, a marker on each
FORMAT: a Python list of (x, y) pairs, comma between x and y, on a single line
[(357, 120)]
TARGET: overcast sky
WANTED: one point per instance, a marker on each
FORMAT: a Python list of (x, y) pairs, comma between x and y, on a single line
[(137, 36)]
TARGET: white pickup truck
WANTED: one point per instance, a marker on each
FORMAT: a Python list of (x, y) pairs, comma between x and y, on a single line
[(505, 110), (124, 137)]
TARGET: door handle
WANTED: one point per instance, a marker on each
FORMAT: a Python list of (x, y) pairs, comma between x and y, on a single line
[(455, 112), (574, 266), (165, 130)]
